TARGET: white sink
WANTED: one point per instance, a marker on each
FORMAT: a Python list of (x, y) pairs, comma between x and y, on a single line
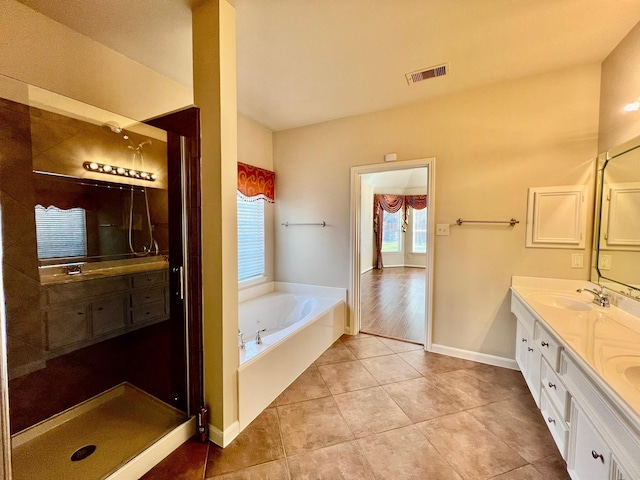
[(561, 301), (626, 367)]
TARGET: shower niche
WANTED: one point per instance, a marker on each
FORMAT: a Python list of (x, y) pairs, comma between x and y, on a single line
[(92, 262)]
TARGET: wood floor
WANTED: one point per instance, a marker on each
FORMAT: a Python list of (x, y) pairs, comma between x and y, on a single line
[(392, 303)]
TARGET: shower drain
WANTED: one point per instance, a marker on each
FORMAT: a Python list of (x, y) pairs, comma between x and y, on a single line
[(82, 453)]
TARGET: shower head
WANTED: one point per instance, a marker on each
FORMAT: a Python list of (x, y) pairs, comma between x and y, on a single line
[(113, 126)]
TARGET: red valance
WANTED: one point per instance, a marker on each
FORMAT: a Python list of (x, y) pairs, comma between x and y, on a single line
[(256, 183)]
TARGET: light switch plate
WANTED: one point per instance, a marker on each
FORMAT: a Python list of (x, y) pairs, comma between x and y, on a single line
[(577, 260), (442, 229)]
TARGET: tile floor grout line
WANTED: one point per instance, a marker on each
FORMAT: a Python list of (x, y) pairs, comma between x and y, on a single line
[(284, 449)]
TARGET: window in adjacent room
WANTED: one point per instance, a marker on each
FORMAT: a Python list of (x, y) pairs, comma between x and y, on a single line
[(392, 231), (61, 232), (419, 227), (251, 249)]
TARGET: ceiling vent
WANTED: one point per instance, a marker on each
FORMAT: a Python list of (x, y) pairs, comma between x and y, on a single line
[(431, 72)]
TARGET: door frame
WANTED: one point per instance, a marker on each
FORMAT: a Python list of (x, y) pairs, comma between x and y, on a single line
[(355, 238)]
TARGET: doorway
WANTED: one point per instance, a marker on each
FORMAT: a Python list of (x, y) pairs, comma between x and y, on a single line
[(392, 284)]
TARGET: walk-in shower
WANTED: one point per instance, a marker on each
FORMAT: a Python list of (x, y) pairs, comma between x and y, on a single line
[(97, 354)]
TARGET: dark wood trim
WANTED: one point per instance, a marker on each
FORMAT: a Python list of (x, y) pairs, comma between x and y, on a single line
[(186, 123)]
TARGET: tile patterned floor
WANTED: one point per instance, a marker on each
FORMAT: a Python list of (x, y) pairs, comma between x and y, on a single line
[(375, 408)]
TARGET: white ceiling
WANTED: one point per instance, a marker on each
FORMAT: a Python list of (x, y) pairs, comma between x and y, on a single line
[(305, 62)]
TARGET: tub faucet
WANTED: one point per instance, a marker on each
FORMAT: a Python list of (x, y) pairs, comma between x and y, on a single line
[(599, 298), (258, 337), (241, 340)]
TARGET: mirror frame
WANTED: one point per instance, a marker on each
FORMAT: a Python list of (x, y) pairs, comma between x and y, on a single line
[(596, 274)]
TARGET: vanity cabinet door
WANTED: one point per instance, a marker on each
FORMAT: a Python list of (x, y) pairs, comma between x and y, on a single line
[(523, 341), (528, 358), (108, 314), (590, 456), (66, 326)]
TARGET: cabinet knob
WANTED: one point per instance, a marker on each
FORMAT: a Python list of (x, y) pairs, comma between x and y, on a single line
[(529, 349), (524, 340), (552, 385), (597, 455), (545, 344), (551, 420)]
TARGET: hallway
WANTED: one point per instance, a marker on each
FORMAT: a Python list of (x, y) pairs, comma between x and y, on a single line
[(375, 408)]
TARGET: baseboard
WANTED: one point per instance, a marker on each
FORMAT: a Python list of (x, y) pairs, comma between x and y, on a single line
[(366, 270), (157, 452), (222, 439), (475, 356)]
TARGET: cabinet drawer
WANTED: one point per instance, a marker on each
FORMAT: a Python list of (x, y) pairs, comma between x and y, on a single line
[(67, 326), (548, 346), (557, 426), (150, 295), (81, 290), (590, 455), (108, 315), (556, 390), (148, 312), (148, 279)]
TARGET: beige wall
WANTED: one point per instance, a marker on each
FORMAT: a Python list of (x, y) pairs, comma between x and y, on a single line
[(255, 143), (490, 145), (620, 80), (255, 147), (42, 52), (215, 94)]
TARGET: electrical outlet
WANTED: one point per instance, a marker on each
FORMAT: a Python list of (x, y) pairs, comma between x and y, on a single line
[(442, 229), (605, 262), (577, 260)]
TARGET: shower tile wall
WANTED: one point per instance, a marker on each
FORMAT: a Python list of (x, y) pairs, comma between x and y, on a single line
[(19, 253), (35, 139)]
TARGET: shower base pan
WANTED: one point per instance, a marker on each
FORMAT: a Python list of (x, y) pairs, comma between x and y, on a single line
[(121, 433)]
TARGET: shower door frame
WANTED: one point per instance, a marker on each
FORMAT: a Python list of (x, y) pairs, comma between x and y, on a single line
[(185, 274)]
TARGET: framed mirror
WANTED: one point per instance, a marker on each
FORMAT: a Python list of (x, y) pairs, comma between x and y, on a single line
[(616, 262)]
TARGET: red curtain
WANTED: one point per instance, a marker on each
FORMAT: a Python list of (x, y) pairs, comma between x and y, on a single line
[(391, 204), (256, 183), (417, 202)]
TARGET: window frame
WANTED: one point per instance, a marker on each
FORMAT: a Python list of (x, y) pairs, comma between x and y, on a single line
[(400, 243), (414, 230), (260, 275)]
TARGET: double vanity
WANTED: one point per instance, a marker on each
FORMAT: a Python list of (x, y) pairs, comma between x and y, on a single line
[(581, 362)]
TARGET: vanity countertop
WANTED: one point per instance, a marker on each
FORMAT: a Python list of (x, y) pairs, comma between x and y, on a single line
[(605, 340), (92, 271)]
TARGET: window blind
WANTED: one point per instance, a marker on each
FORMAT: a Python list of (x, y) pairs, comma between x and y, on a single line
[(61, 233), (250, 239)]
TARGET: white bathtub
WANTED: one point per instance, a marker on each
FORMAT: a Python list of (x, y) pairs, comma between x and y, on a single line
[(301, 322)]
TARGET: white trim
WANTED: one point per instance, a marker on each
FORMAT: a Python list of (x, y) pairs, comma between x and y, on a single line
[(475, 356), (157, 452), (222, 439), (355, 236)]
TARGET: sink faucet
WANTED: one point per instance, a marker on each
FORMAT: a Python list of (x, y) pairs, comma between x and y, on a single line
[(258, 337), (241, 340), (599, 298)]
